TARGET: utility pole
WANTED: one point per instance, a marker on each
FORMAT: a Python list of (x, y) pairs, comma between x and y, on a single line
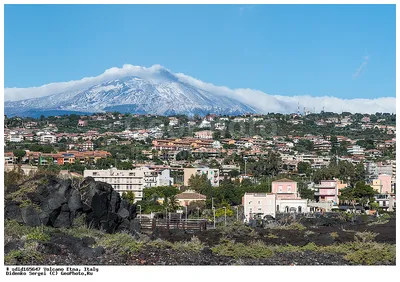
[(225, 215), (140, 213), (214, 215)]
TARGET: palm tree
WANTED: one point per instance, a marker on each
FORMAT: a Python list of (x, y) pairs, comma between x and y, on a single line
[(172, 203)]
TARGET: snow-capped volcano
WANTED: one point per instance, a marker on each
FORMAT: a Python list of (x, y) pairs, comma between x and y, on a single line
[(159, 92)]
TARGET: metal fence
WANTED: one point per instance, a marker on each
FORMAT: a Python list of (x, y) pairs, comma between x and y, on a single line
[(168, 224)]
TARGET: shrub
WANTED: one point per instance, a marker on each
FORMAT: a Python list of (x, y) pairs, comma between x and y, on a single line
[(120, 242), (160, 243), (14, 229), (194, 245), (272, 236), (253, 234), (290, 248), (79, 221), (334, 235), (38, 234), (365, 236), (28, 255), (310, 247), (371, 253), (236, 229), (379, 222), (308, 233)]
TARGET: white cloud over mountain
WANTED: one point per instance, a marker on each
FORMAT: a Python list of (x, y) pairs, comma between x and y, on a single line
[(254, 98)]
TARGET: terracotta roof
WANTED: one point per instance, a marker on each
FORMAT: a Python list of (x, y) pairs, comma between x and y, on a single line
[(284, 180), (190, 196)]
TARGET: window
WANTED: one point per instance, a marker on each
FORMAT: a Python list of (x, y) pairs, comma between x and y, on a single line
[(280, 188), (289, 188), (259, 209), (259, 202)]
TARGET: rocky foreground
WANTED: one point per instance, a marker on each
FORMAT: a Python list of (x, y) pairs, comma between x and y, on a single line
[(49, 221)]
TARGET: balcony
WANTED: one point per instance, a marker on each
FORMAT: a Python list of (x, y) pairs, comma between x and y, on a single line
[(325, 194)]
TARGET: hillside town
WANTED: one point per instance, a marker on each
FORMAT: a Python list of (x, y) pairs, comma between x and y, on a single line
[(280, 163)]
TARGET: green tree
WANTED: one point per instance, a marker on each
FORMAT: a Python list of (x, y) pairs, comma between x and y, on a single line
[(304, 167), (19, 154), (172, 203), (182, 155), (234, 173), (216, 135), (200, 183), (361, 193), (129, 196)]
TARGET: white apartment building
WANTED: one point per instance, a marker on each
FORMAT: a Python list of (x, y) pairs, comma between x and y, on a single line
[(355, 150), (15, 137), (212, 175), (385, 169), (132, 180), (204, 134), (173, 121), (48, 138), (204, 124)]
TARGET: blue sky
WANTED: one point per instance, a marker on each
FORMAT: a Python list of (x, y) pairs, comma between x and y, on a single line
[(278, 49)]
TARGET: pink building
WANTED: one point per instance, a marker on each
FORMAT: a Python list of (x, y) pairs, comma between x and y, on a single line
[(82, 123), (386, 183), (328, 191), (258, 204), (285, 189)]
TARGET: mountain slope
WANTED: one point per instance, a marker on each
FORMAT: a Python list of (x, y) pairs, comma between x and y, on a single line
[(161, 93)]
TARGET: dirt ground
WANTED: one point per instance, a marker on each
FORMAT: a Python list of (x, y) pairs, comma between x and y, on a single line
[(322, 232), (320, 235)]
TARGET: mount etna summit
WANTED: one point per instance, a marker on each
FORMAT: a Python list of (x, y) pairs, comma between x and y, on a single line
[(160, 92), (156, 90)]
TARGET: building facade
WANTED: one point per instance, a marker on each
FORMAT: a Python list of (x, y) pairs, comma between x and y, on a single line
[(212, 175), (285, 189), (258, 204), (291, 205), (327, 191), (386, 183), (131, 180)]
